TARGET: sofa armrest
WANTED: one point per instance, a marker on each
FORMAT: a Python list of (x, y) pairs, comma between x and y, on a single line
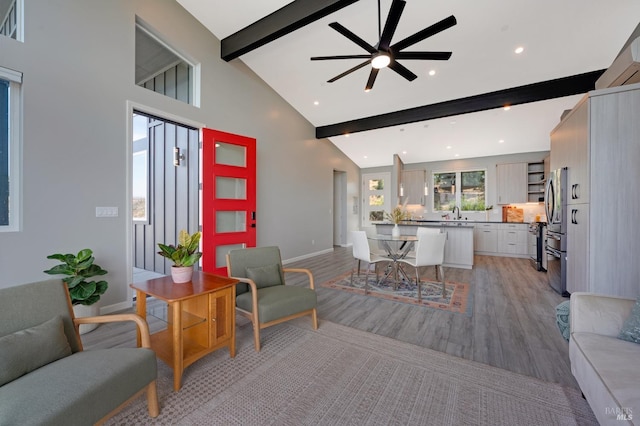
[(305, 271), (597, 313), (143, 327)]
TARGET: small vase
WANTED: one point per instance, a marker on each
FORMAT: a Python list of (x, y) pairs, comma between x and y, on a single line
[(395, 232), (181, 274)]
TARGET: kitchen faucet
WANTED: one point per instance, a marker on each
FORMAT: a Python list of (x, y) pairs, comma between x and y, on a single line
[(456, 216)]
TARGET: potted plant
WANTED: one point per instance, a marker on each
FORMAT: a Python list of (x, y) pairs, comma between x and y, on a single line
[(184, 255), (397, 215), (77, 269)]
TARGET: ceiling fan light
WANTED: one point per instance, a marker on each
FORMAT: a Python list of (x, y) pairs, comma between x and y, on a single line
[(380, 61)]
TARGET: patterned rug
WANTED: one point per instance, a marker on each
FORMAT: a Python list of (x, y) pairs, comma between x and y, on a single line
[(341, 376), (458, 297)]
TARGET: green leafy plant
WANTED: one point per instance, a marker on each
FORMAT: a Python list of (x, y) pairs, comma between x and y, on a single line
[(397, 215), (77, 269), (186, 252)]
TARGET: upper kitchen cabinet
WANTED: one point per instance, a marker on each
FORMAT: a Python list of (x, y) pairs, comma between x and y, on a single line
[(569, 148), (599, 143), (413, 187), (535, 182), (511, 183)]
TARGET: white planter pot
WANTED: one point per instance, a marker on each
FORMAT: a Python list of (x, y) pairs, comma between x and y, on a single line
[(395, 231), (80, 311), (181, 274)]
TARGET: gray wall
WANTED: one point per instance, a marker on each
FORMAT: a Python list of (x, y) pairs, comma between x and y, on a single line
[(78, 65)]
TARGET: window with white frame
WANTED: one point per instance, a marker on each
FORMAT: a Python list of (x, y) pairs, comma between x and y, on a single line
[(11, 19), (10, 84), (465, 189)]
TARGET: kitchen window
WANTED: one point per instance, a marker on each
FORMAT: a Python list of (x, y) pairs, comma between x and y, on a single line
[(465, 189), (10, 85)]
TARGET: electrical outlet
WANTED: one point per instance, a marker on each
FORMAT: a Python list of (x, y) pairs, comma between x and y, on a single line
[(106, 212)]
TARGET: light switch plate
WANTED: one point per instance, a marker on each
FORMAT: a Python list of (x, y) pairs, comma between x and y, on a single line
[(106, 212)]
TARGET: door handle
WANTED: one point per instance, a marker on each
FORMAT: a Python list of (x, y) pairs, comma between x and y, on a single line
[(574, 219), (253, 215)]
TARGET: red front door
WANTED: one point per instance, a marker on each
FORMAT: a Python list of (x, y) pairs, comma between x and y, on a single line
[(228, 196)]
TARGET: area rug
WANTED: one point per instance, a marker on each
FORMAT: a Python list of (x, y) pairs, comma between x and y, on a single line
[(458, 297), (338, 375)]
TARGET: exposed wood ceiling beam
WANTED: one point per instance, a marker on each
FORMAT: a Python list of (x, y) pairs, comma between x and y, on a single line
[(283, 21), (566, 86)]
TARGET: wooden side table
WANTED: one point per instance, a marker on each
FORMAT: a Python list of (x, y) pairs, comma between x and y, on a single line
[(200, 318)]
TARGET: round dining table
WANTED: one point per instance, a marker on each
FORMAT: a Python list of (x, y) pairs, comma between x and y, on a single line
[(397, 247)]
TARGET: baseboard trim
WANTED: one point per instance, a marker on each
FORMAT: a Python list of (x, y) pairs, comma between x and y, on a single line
[(306, 256)]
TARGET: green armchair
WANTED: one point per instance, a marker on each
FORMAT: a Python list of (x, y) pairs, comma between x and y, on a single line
[(46, 377), (262, 295)]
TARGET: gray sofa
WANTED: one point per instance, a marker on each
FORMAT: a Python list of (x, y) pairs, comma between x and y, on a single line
[(45, 376), (606, 368)]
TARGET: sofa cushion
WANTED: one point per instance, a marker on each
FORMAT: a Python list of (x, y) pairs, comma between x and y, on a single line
[(279, 301), (606, 370), (631, 328), (265, 276), (77, 390), (26, 350)]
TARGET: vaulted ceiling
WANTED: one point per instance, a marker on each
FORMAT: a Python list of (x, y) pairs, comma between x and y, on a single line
[(566, 44)]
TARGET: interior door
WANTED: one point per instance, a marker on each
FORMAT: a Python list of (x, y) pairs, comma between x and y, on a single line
[(228, 196)]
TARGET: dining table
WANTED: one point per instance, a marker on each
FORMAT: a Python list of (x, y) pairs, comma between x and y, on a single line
[(396, 247)]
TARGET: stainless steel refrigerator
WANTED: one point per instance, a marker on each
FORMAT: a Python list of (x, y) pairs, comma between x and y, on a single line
[(555, 202)]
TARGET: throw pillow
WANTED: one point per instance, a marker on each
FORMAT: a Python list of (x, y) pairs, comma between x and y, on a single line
[(562, 319), (265, 276), (631, 327), (26, 350)]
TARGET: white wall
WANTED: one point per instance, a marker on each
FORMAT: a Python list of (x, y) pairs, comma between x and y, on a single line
[(78, 66)]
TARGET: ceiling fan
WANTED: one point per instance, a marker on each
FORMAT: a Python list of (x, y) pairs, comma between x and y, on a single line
[(386, 54)]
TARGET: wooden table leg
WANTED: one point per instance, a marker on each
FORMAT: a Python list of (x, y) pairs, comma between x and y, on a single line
[(141, 309), (177, 345)]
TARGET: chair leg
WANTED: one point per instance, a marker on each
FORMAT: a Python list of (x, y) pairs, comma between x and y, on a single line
[(419, 285), (366, 280), (152, 399), (359, 266), (436, 268), (444, 290), (314, 318), (256, 335), (358, 263)]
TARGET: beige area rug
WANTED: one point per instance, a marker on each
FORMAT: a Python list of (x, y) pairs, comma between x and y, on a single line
[(338, 376)]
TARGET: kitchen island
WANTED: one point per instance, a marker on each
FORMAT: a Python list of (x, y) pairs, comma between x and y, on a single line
[(458, 251)]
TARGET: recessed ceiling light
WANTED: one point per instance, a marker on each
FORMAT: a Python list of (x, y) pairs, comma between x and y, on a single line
[(346, 135), (448, 146), (316, 103), (501, 141), (519, 50), (404, 152), (402, 129), (426, 125), (432, 72), (457, 155), (507, 107), (365, 157)]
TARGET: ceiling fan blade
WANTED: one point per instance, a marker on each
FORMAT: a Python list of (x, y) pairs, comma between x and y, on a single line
[(372, 79), (433, 56), (391, 24), (427, 32), (349, 71), (327, 58), (351, 36), (403, 71)]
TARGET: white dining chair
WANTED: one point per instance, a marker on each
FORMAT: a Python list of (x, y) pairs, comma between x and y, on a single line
[(429, 252), (420, 231), (362, 253)]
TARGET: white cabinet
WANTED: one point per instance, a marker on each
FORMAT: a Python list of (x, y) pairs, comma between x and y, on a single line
[(512, 239), (598, 142), (511, 183), (535, 181), (577, 246), (486, 238), (458, 250), (413, 183)]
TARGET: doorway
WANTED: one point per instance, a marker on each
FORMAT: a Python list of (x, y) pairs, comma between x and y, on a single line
[(165, 189)]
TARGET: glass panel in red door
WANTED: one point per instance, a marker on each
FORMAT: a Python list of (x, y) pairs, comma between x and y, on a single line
[(228, 196)]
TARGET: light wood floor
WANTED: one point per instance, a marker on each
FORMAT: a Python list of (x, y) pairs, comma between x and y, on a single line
[(512, 325)]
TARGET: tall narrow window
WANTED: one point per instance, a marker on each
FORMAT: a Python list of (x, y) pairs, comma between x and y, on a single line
[(11, 19), (10, 84), (162, 69)]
